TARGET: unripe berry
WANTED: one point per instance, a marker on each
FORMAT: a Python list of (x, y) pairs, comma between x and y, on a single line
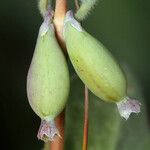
[(47, 81), (95, 65)]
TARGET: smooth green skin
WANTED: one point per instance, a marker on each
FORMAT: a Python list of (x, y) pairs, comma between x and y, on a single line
[(48, 78), (95, 65)]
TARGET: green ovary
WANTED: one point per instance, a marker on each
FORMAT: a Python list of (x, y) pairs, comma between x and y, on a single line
[(95, 65), (48, 78)]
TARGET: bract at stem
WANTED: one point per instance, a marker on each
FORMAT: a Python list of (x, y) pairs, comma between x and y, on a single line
[(70, 18)]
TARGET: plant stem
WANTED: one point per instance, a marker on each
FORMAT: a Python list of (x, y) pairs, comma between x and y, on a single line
[(85, 134), (76, 4), (58, 143), (60, 12), (86, 103)]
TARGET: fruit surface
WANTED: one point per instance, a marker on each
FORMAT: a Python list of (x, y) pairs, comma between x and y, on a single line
[(48, 76), (94, 64)]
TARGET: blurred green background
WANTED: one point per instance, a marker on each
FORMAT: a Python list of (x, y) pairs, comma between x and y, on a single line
[(123, 26)]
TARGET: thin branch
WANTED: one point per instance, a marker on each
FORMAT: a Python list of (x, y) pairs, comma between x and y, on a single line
[(86, 122), (58, 143), (76, 4), (60, 12)]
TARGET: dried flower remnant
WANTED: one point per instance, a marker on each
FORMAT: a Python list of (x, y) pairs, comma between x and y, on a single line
[(48, 131), (128, 106)]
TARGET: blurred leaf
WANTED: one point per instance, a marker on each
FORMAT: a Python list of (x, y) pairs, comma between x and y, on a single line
[(134, 132)]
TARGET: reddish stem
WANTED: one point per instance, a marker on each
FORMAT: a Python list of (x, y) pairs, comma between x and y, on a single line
[(58, 143), (85, 134), (60, 12)]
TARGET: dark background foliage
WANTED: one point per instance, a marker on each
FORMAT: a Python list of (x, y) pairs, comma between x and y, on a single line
[(122, 25)]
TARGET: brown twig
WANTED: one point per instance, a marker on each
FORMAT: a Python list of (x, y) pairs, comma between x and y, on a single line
[(60, 12)]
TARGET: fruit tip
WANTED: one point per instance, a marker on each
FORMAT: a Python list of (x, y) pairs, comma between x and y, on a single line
[(128, 106), (48, 131)]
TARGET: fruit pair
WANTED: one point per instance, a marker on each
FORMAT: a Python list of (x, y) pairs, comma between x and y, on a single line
[(48, 76)]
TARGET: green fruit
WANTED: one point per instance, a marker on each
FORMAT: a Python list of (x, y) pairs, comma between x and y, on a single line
[(96, 67), (48, 76), (94, 64)]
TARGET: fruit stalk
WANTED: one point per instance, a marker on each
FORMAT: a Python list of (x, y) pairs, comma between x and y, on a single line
[(86, 120), (60, 12)]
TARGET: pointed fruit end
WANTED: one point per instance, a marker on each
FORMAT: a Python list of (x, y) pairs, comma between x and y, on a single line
[(128, 106)]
